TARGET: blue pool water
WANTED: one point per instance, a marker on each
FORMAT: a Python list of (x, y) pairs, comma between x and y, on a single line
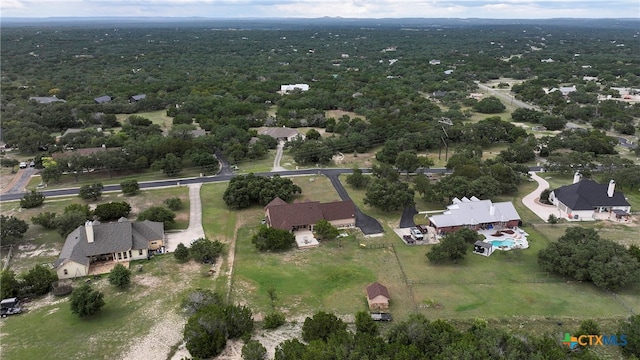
[(506, 242)]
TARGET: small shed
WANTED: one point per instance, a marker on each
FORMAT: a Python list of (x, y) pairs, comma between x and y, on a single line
[(482, 248), (103, 99), (378, 297)]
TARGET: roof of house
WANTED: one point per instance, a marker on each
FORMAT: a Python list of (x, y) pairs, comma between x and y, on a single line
[(377, 289), (102, 99), (82, 152), (108, 238), (46, 99), (482, 244), (279, 132), (587, 194), (285, 216), (138, 97), (475, 211)]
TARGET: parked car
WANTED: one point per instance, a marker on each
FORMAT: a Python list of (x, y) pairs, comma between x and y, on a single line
[(23, 165), (381, 317), (10, 306), (417, 234)]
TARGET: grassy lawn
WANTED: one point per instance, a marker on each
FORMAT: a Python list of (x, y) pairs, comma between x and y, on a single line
[(127, 315), (68, 181), (158, 117), (257, 166)]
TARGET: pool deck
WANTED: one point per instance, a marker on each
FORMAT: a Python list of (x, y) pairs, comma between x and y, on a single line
[(518, 234)]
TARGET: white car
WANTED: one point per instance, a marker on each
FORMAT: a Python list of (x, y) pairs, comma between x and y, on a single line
[(23, 165), (416, 234)]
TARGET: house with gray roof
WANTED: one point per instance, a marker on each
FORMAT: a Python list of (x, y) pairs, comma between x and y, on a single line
[(102, 99), (475, 214), (136, 98), (585, 199), (94, 248), (282, 133)]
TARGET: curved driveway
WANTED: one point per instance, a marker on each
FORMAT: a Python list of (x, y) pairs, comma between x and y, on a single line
[(532, 200), (366, 223)]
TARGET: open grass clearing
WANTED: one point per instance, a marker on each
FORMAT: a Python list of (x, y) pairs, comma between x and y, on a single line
[(257, 166), (338, 114), (158, 117), (143, 320)]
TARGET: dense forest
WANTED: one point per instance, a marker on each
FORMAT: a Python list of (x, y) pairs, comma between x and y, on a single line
[(223, 79)]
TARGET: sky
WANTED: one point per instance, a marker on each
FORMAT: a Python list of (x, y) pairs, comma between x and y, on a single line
[(497, 9)]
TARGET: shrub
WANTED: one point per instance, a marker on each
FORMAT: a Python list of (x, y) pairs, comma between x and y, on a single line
[(45, 219), (174, 203), (182, 253), (32, 200), (274, 320), (112, 210), (254, 350), (38, 281), (86, 301), (120, 276), (159, 214), (130, 187), (552, 219), (205, 251), (91, 192)]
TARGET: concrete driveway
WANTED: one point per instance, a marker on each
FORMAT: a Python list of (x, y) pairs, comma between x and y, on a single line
[(195, 230), (533, 203)]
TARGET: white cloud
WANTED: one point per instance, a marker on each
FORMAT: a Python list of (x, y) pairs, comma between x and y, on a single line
[(319, 8)]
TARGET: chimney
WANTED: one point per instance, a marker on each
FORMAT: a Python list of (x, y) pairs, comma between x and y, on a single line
[(88, 227), (577, 177), (492, 209), (611, 189)]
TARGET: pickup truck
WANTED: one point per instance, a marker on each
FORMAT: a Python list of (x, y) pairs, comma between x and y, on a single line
[(381, 317), (10, 306)]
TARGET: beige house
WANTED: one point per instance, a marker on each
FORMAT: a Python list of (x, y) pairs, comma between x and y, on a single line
[(378, 297), (94, 248)]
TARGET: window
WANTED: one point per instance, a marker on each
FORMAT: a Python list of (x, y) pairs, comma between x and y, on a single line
[(119, 256), (140, 252), (66, 272), (125, 255), (129, 253)]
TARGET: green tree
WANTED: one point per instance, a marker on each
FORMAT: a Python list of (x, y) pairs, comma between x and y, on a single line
[(38, 280), (173, 203), (182, 253), (325, 231), (170, 165), (69, 221), (130, 187), (388, 196), (200, 298), (239, 321), (12, 229), (45, 219), (291, 349), (120, 276), (365, 324), (32, 200), (91, 192), (407, 161), (582, 255), (321, 326), (9, 285), (452, 247), (313, 134), (159, 214), (254, 350), (489, 105), (631, 329), (86, 301), (112, 210), (357, 179), (245, 190), (205, 251), (272, 239)]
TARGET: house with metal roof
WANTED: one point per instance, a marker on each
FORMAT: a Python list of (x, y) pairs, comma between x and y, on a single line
[(46, 99), (102, 99), (282, 133), (136, 98), (94, 248), (475, 214), (585, 199)]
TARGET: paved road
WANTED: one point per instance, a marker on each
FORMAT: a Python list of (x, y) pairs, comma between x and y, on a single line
[(195, 230), (367, 224), (531, 200), (407, 217), (276, 161), (20, 181), (507, 98)]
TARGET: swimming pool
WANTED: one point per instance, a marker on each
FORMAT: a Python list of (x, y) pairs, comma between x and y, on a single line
[(504, 242), (509, 243)]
